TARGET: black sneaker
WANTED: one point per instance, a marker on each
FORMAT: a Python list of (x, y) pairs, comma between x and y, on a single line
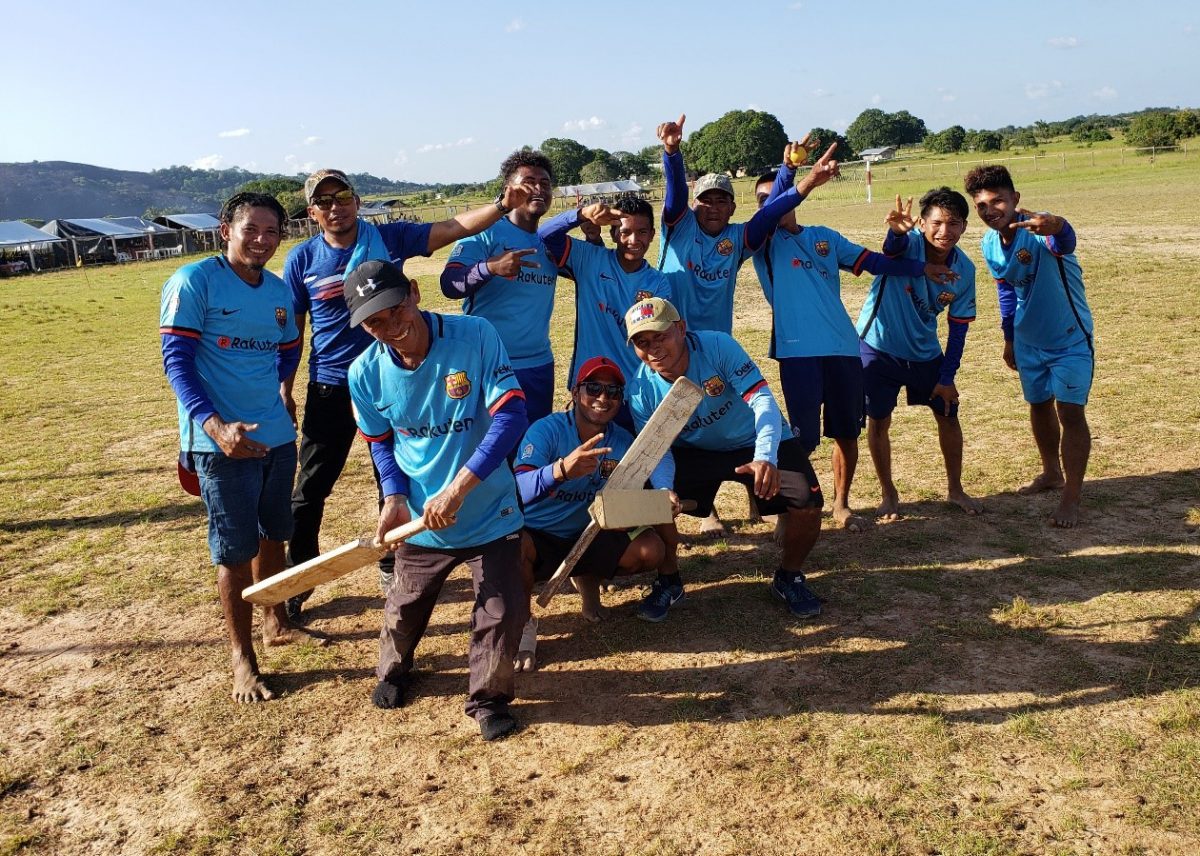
[(388, 695), (495, 725), (800, 599), (294, 607)]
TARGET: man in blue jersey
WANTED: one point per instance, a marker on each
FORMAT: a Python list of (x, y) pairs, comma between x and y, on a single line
[(1047, 329), (506, 276), (701, 251), (228, 338), (563, 462), (735, 434), (812, 335), (607, 282), (899, 340), (444, 384), (315, 270)]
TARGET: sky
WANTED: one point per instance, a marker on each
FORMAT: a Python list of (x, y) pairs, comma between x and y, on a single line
[(442, 90)]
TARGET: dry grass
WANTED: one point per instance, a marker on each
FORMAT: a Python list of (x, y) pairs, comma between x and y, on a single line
[(975, 687)]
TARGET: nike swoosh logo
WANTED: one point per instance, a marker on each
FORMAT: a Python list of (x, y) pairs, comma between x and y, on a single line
[(229, 311)]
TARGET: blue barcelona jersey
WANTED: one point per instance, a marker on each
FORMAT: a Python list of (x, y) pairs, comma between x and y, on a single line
[(314, 271), (723, 419), (439, 413), (564, 511), (906, 324), (603, 291), (1051, 313), (702, 270), (520, 307), (239, 328), (800, 277)]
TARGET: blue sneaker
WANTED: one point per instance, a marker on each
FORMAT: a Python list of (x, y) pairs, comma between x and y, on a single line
[(800, 599), (655, 606)]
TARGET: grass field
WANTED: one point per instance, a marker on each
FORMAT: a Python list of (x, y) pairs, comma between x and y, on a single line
[(976, 686)]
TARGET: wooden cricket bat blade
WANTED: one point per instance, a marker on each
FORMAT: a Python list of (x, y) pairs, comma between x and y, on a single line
[(327, 566), (556, 581)]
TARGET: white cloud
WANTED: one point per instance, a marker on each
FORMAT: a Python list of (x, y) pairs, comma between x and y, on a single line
[(947, 95), (208, 162), (840, 125), (1105, 93), (876, 99), (821, 93), (1041, 90), (295, 165), (437, 147), (1064, 42), (401, 158), (796, 7), (236, 132), (584, 124), (311, 141), (1188, 29), (631, 136), (514, 26)]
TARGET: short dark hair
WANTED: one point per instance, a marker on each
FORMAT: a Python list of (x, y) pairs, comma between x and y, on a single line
[(950, 200), (525, 157), (632, 205), (234, 204), (993, 177), (767, 177)]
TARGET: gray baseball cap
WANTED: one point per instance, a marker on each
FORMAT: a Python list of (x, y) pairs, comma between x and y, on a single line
[(311, 183), (712, 181)]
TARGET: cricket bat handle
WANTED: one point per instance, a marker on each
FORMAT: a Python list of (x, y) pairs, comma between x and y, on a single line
[(401, 533)]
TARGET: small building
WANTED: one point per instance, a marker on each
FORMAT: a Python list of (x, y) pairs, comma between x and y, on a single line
[(601, 191), (199, 233), (24, 249), (96, 241), (881, 153)]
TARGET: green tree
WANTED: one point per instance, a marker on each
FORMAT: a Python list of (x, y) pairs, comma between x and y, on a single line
[(603, 168), (741, 139), (628, 164), (1187, 123), (567, 157), (947, 141), (1090, 132), (1152, 130), (873, 127), (983, 141), (907, 128), (272, 186), (826, 137), (1023, 139)]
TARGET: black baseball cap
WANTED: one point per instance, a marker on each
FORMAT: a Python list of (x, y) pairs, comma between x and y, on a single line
[(373, 286)]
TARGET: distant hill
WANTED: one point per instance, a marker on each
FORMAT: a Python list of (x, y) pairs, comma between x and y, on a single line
[(45, 190)]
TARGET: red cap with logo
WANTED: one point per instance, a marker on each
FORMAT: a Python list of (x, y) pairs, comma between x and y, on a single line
[(594, 365)]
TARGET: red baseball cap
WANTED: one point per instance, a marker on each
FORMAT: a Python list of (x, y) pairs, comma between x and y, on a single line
[(594, 365)]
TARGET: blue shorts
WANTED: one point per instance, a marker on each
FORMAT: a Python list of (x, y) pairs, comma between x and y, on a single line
[(1062, 373), (883, 375), (538, 385), (810, 382), (247, 499)]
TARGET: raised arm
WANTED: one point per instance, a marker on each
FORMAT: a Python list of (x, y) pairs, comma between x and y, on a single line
[(476, 220), (675, 197)]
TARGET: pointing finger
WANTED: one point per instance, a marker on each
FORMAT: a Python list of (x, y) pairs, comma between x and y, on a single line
[(682, 119)]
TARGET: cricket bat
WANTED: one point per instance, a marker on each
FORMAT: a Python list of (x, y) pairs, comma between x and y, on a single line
[(647, 449), (328, 566)]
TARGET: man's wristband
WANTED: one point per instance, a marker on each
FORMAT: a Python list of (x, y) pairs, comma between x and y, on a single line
[(562, 468), (500, 206)]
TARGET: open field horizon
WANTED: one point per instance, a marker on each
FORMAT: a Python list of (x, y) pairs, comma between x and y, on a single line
[(975, 686)]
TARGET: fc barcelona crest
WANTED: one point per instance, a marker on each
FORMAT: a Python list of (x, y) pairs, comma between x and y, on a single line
[(1024, 256), (822, 248), (606, 467), (281, 317), (458, 385), (725, 246), (714, 386)]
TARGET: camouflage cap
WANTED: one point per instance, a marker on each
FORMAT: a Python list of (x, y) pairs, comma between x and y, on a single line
[(712, 181), (311, 183)]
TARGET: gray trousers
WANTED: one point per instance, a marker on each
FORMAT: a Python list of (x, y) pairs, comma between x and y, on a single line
[(500, 612)]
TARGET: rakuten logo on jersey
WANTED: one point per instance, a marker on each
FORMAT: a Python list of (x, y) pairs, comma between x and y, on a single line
[(429, 432), (237, 343)]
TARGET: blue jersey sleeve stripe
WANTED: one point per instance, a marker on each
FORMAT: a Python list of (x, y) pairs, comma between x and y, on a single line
[(179, 331), (377, 438), (748, 394), (509, 395)]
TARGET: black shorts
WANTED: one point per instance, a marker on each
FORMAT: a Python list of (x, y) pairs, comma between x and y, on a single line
[(599, 560), (699, 473)]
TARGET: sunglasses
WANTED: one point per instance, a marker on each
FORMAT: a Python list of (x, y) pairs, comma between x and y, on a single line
[(594, 388), (326, 200)]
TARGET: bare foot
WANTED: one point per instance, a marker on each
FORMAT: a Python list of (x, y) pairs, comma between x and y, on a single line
[(711, 528), (595, 616), (288, 634), (966, 502), (889, 509), (526, 659), (248, 685), (848, 520), (780, 531), (1066, 515), (1044, 481)]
